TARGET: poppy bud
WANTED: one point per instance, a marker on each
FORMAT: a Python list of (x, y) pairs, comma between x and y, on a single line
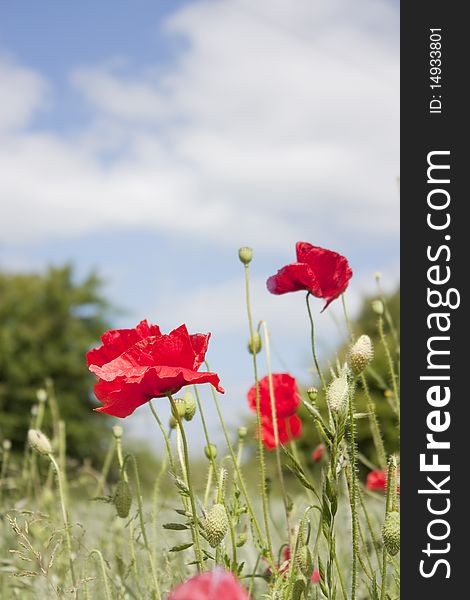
[(190, 406), (6, 445), (361, 354), (34, 410), (41, 395), (242, 433), (245, 254), (241, 541), (172, 422), (180, 407), (255, 344), (305, 561), (117, 432), (39, 442), (391, 532), (337, 393), (312, 393), (210, 451), (122, 499), (216, 525), (378, 307)]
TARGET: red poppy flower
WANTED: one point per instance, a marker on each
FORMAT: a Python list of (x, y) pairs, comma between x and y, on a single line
[(135, 365), (212, 585), (286, 396), (288, 429), (318, 452), (377, 481), (315, 578), (323, 273)]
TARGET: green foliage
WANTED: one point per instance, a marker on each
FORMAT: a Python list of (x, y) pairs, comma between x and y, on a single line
[(47, 324)]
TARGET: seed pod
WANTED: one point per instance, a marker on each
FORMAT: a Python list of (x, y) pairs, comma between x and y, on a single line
[(122, 499), (361, 354), (378, 307), (255, 344), (337, 393), (312, 393), (173, 423), (245, 254), (391, 532), (117, 432), (242, 433), (216, 525), (180, 407), (190, 406), (210, 451), (39, 442)]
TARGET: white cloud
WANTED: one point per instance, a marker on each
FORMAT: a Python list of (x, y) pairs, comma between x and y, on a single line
[(273, 123)]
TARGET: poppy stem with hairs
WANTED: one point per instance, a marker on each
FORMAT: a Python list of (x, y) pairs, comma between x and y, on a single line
[(312, 328), (258, 419), (197, 545)]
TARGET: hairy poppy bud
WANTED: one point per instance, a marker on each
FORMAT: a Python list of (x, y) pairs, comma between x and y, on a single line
[(312, 393), (245, 254), (255, 344), (210, 451), (216, 525), (6, 445), (117, 432), (337, 393), (180, 407), (173, 423), (391, 532), (122, 499), (305, 561), (39, 442), (242, 433), (361, 354), (378, 307), (41, 395), (190, 406)]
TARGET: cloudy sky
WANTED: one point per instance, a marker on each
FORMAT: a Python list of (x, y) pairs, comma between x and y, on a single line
[(150, 139)]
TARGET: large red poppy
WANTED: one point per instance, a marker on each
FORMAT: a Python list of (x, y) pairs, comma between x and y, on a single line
[(212, 585), (135, 365), (286, 395), (323, 273)]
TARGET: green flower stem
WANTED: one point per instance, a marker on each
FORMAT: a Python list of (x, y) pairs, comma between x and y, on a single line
[(197, 545), (312, 339), (353, 493), (373, 422), (208, 485), (391, 367), (142, 524), (106, 467), (258, 420), (241, 480), (165, 437), (65, 519), (375, 541), (107, 591), (131, 524), (384, 554), (276, 432), (156, 489)]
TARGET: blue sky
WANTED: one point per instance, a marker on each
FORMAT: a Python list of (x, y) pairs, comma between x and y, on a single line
[(149, 140)]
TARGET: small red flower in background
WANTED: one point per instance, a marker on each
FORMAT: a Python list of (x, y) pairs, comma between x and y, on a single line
[(315, 578), (135, 365), (287, 429), (377, 481), (318, 452), (323, 273), (286, 396), (212, 585), (286, 401)]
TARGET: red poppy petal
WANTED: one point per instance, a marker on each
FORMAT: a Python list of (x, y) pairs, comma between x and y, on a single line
[(293, 278), (215, 585), (199, 342)]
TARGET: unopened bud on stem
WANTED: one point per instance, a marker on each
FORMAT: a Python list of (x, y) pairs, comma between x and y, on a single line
[(245, 254), (39, 442)]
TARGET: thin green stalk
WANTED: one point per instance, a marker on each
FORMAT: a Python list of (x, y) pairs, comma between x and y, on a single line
[(391, 367), (353, 494), (156, 488), (312, 339), (105, 470), (258, 419), (276, 432), (107, 591), (384, 554), (197, 546), (65, 519), (165, 437), (142, 524)]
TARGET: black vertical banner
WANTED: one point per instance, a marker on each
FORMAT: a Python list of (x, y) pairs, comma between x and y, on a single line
[(435, 250)]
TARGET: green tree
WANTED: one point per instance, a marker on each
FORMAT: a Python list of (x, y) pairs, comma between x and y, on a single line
[(47, 324)]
